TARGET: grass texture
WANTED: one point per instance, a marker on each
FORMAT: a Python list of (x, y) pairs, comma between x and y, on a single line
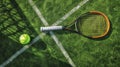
[(84, 52)]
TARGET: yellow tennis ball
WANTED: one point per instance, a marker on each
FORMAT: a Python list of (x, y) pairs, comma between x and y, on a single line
[(24, 39)]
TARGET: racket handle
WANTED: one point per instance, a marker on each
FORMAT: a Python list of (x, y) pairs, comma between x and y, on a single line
[(51, 28)]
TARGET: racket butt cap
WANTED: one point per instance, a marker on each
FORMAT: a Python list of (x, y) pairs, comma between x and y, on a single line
[(51, 28)]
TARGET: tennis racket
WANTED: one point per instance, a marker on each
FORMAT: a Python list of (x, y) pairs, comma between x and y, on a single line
[(93, 24)]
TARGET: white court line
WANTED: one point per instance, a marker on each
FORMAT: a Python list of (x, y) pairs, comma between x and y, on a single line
[(59, 44), (42, 34), (70, 12), (21, 51)]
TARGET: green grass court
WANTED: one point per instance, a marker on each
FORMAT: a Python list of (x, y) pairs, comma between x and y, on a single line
[(18, 17)]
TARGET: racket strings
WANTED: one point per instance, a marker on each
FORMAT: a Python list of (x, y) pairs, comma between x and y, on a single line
[(92, 25), (99, 26)]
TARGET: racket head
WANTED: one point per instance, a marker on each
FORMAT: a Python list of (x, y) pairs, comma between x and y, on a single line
[(93, 24)]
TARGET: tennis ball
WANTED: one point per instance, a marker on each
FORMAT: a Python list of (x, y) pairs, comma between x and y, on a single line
[(24, 39)]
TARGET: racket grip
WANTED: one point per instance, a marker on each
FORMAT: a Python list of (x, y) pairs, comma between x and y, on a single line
[(51, 28)]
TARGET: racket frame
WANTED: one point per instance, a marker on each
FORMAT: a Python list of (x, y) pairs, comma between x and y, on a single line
[(52, 28), (90, 12)]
